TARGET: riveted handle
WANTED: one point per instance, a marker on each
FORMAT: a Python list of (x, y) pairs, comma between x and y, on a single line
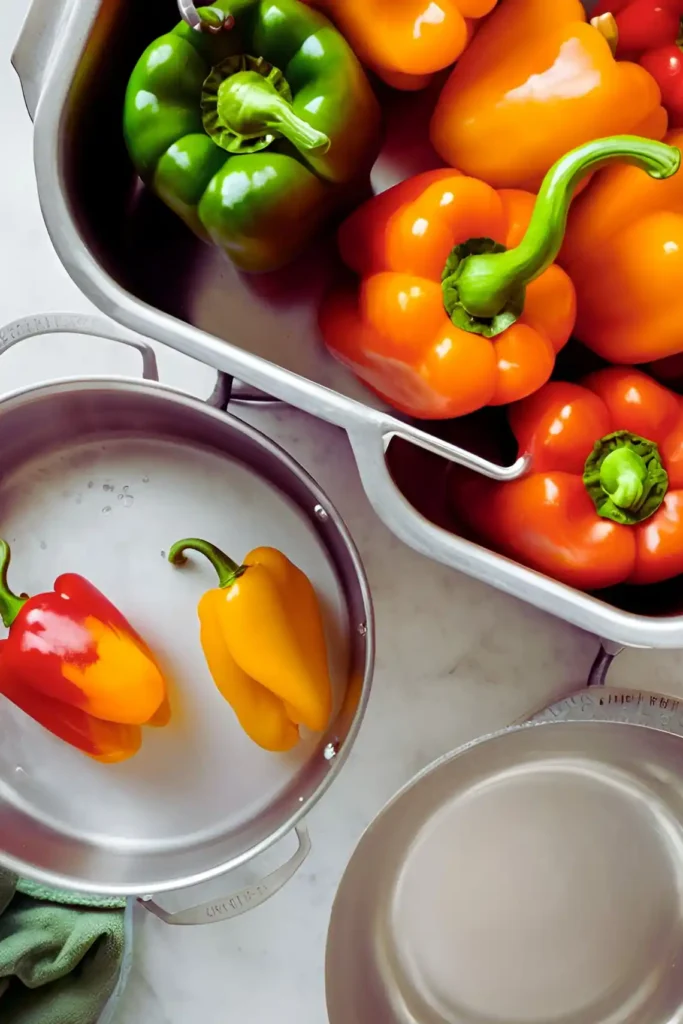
[(242, 900), (76, 323)]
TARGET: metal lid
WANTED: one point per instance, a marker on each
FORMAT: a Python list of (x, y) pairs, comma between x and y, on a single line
[(532, 877)]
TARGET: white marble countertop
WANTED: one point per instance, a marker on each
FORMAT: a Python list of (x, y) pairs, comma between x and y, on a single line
[(455, 658)]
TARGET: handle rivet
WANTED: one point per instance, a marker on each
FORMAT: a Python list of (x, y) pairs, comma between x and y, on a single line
[(321, 513), (331, 750), (362, 629)]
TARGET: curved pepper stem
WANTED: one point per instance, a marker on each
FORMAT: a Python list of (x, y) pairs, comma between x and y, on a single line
[(486, 285), (10, 603), (246, 105), (250, 106), (228, 570), (625, 478)]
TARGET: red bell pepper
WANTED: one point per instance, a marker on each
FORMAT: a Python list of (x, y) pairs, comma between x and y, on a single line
[(603, 501), (76, 665), (649, 32)]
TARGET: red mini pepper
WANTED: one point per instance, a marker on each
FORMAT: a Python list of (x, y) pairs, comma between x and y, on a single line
[(649, 32), (603, 502), (76, 665)]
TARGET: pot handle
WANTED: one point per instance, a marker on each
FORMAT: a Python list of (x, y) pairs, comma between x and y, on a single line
[(45, 23), (242, 900), (76, 323)]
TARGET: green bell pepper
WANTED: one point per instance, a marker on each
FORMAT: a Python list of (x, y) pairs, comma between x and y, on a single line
[(252, 134)]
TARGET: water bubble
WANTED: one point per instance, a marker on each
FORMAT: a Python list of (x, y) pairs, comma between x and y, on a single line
[(128, 500), (126, 489), (106, 510), (43, 546), (107, 487), (145, 479), (91, 484)]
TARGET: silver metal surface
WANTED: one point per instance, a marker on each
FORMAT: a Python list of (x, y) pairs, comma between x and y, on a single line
[(141, 267), (100, 476), (535, 875)]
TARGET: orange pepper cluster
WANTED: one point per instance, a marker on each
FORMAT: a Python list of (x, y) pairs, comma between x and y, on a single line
[(462, 285)]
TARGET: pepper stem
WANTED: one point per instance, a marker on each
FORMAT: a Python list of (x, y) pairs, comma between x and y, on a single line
[(486, 285), (625, 478), (622, 476), (10, 604), (228, 570), (250, 106)]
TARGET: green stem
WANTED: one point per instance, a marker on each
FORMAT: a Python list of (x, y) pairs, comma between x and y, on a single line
[(251, 107), (10, 604), (228, 570), (489, 283), (622, 477), (625, 478)]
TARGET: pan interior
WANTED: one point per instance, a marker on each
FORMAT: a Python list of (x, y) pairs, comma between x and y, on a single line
[(546, 889)]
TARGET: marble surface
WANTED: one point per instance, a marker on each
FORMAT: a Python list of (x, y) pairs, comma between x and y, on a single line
[(455, 659)]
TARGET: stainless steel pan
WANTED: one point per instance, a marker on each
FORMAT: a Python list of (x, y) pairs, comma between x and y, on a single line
[(100, 476), (532, 876), (141, 267)]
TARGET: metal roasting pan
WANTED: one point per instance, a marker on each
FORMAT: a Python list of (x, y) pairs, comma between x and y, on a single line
[(100, 476), (534, 876), (143, 268)]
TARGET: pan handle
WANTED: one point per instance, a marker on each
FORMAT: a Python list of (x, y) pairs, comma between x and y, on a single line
[(45, 23), (370, 440), (603, 662), (242, 900), (76, 323)]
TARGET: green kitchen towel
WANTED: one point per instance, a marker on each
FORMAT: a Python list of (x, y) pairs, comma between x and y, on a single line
[(61, 953)]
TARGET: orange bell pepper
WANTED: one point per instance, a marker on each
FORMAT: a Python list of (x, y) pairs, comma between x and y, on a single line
[(406, 43), (624, 252), (603, 502), (459, 304), (536, 82)]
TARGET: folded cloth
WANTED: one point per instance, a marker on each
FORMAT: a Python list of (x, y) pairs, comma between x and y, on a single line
[(61, 953)]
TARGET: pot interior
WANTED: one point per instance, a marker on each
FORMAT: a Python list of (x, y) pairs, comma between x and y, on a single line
[(101, 480)]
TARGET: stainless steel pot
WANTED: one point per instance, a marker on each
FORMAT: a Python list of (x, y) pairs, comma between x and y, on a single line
[(99, 476), (534, 875), (141, 267)]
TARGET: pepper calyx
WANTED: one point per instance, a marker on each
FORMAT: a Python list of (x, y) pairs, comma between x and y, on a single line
[(10, 603), (625, 478), (246, 105), (228, 570), (488, 327)]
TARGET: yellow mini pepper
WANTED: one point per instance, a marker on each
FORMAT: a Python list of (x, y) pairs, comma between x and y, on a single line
[(263, 638)]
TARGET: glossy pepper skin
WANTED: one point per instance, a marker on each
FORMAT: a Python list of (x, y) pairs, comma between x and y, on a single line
[(251, 135), (647, 32), (406, 43), (458, 303), (76, 665), (624, 252), (263, 638), (587, 521), (508, 112)]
